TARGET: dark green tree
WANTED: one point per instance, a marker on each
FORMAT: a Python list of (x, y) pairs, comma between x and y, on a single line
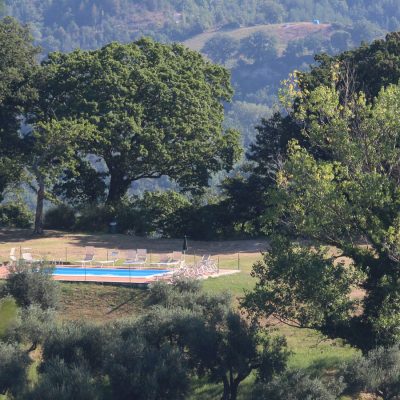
[(349, 201), (32, 285), (158, 110), (53, 147), (220, 343), (221, 48), (259, 47), (13, 369), (61, 381), (18, 61)]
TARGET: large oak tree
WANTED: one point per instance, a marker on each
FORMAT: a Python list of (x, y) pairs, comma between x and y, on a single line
[(157, 109)]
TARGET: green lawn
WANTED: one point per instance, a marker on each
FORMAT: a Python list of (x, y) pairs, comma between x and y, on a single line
[(8, 312), (102, 303)]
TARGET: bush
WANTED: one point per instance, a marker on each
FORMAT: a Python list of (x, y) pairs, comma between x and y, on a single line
[(13, 365), (15, 215), (65, 382), (94, 219), (296, 385), (60, 217), (31, 326), (76, 343), (377, 373), (32, 285)]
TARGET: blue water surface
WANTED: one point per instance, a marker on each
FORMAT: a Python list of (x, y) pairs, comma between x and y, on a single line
[(111, 272)]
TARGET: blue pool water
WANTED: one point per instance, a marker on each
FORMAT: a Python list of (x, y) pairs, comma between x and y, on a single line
[(109, 272)]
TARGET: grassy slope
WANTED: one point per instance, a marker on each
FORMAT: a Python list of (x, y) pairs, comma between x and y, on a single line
[(102, 303), (284, 33)]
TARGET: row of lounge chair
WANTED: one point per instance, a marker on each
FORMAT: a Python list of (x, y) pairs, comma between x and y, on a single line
[(133, 258)]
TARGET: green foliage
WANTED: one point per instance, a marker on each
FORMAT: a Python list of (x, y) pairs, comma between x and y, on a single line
[(17, 65), (161, 212), (137, 369), (259, 47), (74, 24), (221, 48), (13, 365), (52, 148), (65, 382), (377, 372), (76, 343), (30, 284), (31, 326), (296, 385), (59, 217), (8, 314), (95, 218), (85, 185), (303, 287), (368, 68), (164, 116), (339, 189), (221, 344), (15, 215)]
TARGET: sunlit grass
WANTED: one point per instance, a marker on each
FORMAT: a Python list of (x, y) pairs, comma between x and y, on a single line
[(8, 312)]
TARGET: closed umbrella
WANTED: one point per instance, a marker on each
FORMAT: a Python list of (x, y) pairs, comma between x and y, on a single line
[(185, 245)]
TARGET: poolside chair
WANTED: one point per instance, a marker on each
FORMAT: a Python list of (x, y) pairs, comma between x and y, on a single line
[(130, 257), (174, 259), (89, 256), (113, 258), (164, 260), (138, 260)]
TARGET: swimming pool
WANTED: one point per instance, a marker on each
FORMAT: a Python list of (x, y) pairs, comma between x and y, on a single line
[(109, 272)]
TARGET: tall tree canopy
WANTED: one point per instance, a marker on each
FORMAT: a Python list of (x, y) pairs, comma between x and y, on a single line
[(157, 109), (17, 64), (349, 200)]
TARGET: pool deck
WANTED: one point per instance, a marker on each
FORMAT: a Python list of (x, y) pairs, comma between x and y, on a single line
[(121, 280)]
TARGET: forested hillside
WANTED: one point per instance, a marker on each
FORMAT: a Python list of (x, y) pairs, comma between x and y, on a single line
[(65, 24), (225, 30)]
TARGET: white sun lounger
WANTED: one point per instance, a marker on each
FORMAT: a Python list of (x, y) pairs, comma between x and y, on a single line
[(174, 259), (89, 256), (136, 258), (113, 258)]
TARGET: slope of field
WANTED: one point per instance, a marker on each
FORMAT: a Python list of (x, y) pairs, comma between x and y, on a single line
[(284, 33)]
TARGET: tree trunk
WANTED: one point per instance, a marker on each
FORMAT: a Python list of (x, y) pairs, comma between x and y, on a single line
[(119, 185), (38, 230), (225, 394)]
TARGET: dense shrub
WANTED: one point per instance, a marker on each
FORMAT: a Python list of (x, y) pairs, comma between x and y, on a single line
[(65, 382), (32, 285), (76, 343), (378, 373), (31, 326), (60, 217), (296, 385), (15, 215), (94, 219), (13, 366)]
